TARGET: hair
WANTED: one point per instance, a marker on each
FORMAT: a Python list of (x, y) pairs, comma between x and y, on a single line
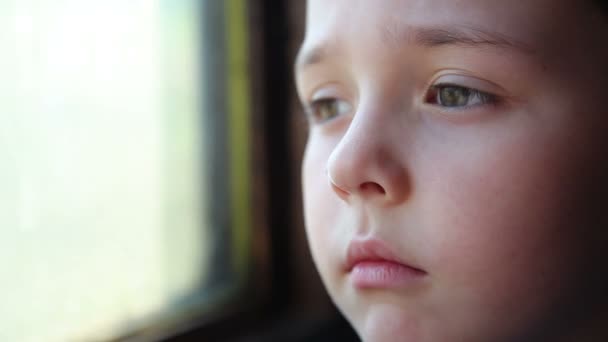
[(602, 4)]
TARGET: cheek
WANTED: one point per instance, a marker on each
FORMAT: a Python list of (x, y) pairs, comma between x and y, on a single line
[(320, 207), (509, 221)]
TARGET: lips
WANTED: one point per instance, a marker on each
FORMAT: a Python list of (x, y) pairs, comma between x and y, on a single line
[(371, 263)]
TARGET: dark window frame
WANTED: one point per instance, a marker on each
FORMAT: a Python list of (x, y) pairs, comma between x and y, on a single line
[(282, 298)]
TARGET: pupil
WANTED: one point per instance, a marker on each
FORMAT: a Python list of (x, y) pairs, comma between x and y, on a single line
[(454, 96), (328, 109)]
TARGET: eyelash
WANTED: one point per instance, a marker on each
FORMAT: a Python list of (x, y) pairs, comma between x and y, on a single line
[(482, 98), (316, 109)]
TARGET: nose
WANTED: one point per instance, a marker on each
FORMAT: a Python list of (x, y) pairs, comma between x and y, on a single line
[(370, 162)]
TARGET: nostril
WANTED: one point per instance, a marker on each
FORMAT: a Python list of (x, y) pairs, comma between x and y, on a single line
[(341, 192), (371, 187)]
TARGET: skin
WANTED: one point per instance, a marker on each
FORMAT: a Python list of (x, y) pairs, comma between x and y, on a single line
[(500, 203)]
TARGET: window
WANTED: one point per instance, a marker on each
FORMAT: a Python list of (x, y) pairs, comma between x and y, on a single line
[(124, 165)]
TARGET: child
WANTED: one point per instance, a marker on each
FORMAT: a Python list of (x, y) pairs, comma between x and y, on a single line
[(455, 173)]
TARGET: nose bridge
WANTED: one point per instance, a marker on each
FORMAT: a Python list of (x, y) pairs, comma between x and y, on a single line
[(356, 150), (369, 161), (353, 153)]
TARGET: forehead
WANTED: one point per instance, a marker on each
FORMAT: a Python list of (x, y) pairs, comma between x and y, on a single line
[(537, 23)]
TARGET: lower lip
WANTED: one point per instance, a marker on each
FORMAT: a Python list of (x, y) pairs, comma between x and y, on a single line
[(383, 274)]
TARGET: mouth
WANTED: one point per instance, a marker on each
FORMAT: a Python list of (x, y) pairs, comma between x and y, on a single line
[(371, 263)]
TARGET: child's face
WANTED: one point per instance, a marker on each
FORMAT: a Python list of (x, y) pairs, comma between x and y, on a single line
[(454, 172)]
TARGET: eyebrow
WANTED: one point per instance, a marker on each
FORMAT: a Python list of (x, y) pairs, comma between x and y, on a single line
[(310, 57), (430, 37)]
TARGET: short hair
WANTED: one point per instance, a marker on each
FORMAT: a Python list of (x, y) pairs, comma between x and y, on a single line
[(602, 4)]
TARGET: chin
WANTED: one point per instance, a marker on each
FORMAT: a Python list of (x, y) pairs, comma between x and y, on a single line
[(386, 324)]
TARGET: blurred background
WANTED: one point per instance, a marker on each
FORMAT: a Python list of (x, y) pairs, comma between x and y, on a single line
[(149, 174)]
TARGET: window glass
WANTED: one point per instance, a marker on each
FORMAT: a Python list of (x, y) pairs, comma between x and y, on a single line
[(114, 153)]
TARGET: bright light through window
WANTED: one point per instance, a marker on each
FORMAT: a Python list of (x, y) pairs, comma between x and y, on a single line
[(101, 162)]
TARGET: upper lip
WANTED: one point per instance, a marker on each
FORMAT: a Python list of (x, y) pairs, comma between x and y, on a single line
[(372, 250)]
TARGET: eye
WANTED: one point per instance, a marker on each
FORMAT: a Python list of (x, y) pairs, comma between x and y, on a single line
[(326, 109), (454, 96)]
